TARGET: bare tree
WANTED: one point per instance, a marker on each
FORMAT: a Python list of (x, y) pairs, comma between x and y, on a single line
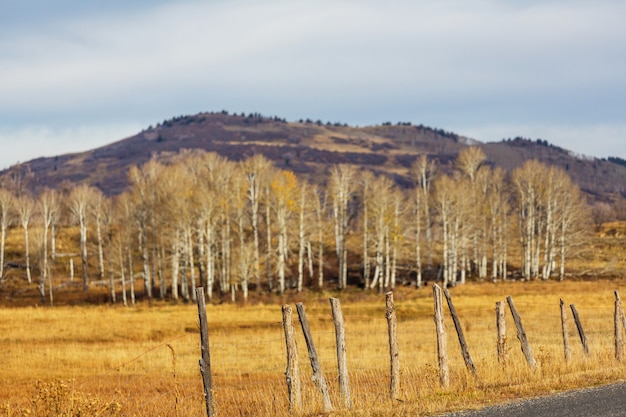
[(122, 242), (498, 211), (258, 171), (283, 190), (422, 172), (319, 204), (147, 192), (106, 219), (470, 168), (98, 211), (602, 213), (238, 191), (380, 209), (269, 252), (573, 225), (527, 181), (396, 233), (445, 197), (551, 213), (81, 200), (207, 192), (366, 179), (306, 229), (26, 208), (49, 206), (342, 187), (223, 180), (7, 205)]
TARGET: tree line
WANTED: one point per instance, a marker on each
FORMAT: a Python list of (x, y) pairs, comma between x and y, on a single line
[(196, 218)]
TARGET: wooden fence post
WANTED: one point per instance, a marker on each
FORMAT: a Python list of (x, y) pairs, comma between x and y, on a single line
[(521, 334), (501, 326), (623, 316), (318, 375), (619, 338), (442, 354), (340, 341), (469, 364), (581, 331), (394, 354), (292, 373), (566, 350), (205, 361)]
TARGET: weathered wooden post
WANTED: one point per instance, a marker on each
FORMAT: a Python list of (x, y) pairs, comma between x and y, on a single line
[(394, 354), (205, 360), (623, 316), (292, 373), (618, 323), (469, 364), (442, 354), (521, 334), (581, 331), (318, 375), (340, 341), (566, 350), (501, 327)]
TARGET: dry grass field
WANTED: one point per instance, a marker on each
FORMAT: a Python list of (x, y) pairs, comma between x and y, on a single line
[(143, 360)]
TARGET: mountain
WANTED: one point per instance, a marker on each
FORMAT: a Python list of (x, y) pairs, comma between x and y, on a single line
[(308, 148)]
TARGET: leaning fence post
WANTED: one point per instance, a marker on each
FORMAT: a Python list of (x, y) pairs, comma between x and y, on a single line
[(394, 355), (205, 361), (442, 354), (340, 341), (566, 349), (501, 327), (521, 334), (619, 339), (318, 375), (293, 370), (459, 331), (581, 331)]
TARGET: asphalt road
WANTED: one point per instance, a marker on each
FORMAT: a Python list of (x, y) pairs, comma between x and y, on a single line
[(605, 401)]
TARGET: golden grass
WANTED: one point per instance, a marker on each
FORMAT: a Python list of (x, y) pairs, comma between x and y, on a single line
[(143, 361)]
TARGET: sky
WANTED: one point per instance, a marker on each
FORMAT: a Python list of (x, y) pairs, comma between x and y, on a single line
[(79, 74)]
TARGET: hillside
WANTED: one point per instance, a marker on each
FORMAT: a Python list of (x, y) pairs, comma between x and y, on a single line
[(308, 148)]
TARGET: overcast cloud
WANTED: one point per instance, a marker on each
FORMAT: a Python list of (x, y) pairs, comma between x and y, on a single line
[(75, 75)]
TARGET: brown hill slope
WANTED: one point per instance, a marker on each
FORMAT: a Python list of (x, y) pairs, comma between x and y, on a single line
[(308, 148)]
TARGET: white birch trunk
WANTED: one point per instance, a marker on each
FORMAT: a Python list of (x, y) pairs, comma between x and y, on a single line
[(123, 274), (210, 259), (282, 245), (301, 240), (131, 271), (100, 247), (192, 263), (268, 230), (175, 263), (27, 253), (3, 236)]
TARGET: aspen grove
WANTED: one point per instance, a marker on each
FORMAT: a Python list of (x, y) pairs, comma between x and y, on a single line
[(197, 219)]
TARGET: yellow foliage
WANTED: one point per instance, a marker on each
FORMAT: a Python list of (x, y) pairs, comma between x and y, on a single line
[(283, 187)]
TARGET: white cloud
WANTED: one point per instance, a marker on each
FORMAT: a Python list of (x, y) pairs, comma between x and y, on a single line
[(26, 143), (447, 63), (449, 46)]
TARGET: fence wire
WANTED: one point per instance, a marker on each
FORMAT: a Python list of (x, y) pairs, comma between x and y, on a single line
[(248, 370)]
